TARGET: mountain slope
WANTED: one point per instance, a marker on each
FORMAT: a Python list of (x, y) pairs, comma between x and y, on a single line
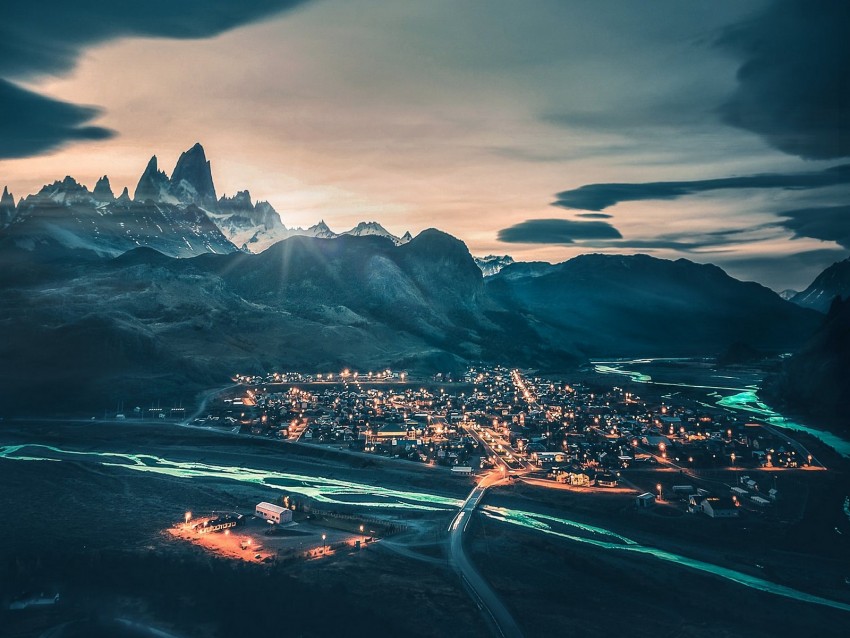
[(831, 283), (609, 305), (816, 380), (145, 326)]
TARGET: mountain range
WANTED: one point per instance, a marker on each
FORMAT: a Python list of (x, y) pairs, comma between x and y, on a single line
[(108, 299), (180, 216), (492, 264)]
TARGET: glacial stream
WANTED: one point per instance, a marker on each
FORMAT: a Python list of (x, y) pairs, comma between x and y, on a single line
[(741, 399), (340, 492), (324, 490), (605, 539)]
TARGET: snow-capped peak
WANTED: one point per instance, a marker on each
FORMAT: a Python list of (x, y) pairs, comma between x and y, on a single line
[(372, 228)]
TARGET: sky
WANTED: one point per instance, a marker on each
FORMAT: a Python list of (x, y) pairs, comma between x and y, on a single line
[(713, 130)]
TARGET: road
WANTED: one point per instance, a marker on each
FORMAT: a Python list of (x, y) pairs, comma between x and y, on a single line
[(202, 406), (500, 461), (483, 595)]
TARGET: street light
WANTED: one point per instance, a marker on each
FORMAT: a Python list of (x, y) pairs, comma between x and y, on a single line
[(324, 536), (658, 487)]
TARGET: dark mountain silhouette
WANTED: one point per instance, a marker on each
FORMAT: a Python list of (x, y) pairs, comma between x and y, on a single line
[(92, 331), (611, 305), (816, 381), (831, 283)]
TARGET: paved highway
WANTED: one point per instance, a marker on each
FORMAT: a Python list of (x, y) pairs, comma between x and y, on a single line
[(483, 595)]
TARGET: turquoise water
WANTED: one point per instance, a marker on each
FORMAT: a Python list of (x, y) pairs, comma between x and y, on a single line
[(748, 401), (324, 490), (743, 399), (605, 539)]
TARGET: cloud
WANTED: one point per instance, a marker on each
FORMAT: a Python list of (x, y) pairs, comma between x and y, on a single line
[(556, 231), (31, 123), (602, 235), (714, 241), (41, 37), (598, 197), (781, 271), (829, 223), (594, 215), (792, 84)]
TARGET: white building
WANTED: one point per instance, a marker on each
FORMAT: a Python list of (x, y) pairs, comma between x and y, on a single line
[(273, 513), (719, 507)]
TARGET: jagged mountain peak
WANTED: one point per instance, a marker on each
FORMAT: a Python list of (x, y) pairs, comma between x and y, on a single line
[(103, 190), (240, 199), (124, 196), (153, 184), (191, 181), (7, 207), (372, 228), (65, 191), (492, 264)]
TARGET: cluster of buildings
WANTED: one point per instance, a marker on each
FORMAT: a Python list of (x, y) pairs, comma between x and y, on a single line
[(580, 434)]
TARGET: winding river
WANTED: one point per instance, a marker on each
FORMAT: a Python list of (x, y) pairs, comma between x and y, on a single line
[(335, 491), (324, 490), (741, 398), (605, 539)]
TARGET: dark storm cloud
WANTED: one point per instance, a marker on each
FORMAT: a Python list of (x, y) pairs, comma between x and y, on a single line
[(714, 241), (597, 197), (47, 36), (556, 231), (604, 235), (31, 123), (830, 223), (792, 85)]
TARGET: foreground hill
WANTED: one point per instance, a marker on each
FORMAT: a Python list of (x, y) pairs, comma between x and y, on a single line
[(145, 326), (611, 305)]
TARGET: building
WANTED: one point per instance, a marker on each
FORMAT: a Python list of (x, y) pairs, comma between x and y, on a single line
[(548, 458), (717, 507), (607, 480), (645, 500), (273, 513), (218, 524)]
